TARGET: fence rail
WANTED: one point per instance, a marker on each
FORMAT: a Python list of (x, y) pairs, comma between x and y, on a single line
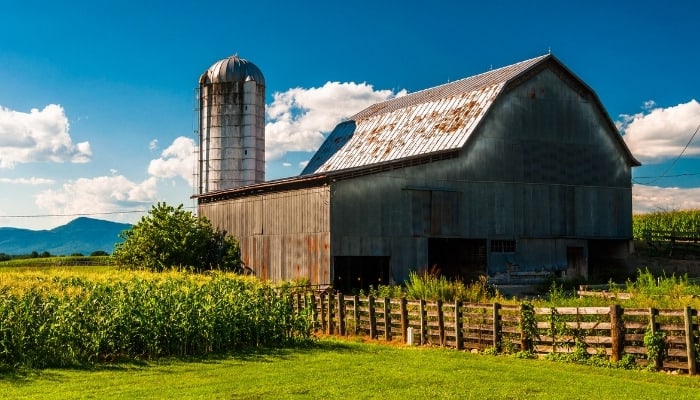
[(612, 331)]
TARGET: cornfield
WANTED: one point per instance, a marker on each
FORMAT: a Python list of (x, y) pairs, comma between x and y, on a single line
[(669, 221), (65, 319)]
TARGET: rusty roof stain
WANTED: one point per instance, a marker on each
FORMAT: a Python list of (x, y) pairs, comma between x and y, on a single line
[(431, 120)]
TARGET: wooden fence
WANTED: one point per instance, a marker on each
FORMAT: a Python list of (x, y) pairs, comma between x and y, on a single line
[(612, 331)]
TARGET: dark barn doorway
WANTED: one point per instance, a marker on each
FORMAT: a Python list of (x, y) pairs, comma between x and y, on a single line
[(454, 258), (359, 272)]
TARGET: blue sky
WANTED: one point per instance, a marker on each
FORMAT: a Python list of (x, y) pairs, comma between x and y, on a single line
[(97, 98)]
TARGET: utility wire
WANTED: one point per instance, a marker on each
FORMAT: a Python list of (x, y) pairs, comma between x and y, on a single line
[(673, 164), (81, 214)]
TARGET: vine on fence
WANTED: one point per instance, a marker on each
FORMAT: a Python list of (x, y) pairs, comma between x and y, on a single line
[(655, 343), (528, 325)]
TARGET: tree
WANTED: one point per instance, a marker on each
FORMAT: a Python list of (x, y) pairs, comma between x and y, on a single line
[(99, 253), (170, 237)]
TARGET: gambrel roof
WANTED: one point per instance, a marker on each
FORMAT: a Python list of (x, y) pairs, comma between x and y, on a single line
[(421, 127), (426, 122)]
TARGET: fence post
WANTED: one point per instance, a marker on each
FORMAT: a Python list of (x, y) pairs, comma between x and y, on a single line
[(330, 314), (496, 327), (298, 303), (341, 314), (314, 312), (653, 312), (404, 320), (372, 318), (458, 324), (322, 308), (387, 319), (441, 322), (423, 321), (689, 339), (617, 333), (356, 313)]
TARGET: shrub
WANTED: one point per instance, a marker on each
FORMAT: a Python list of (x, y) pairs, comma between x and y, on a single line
[(170, 237)]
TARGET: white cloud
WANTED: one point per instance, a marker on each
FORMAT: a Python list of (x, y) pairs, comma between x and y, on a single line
[(105, 194), (28, 181), (662, 133), (298, 118), (653, 198), (153, 145), (38, 136), (303, 164), (177, 160), (286, 164)]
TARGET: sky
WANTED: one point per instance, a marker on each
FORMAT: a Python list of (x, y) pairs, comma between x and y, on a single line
[(97, 99)]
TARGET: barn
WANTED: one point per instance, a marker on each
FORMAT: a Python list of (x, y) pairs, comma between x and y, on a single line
[(517, 173)]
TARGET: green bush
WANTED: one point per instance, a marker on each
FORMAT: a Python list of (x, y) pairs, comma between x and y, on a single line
[(170, 237)]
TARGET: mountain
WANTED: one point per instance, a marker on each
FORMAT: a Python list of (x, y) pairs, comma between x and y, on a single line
[(82, 235)]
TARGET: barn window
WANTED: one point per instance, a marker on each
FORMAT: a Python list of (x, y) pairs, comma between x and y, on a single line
[(503, 246)]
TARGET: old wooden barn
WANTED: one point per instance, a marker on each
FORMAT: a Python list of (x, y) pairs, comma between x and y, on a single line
[(514, 173)]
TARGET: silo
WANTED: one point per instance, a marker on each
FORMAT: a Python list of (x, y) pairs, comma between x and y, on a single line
[(231, 125)]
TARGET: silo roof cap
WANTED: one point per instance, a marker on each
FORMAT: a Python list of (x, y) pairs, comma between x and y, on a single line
[(232, 69)]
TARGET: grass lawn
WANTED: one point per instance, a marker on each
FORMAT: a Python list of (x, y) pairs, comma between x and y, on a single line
[(333, 369)]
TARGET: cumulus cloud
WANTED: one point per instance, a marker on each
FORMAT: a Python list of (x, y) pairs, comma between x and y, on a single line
[(38, 136), (105, 194), (176, 160), (653, 198), (659, 134), (299, 117), (153, 145), (28, 181)]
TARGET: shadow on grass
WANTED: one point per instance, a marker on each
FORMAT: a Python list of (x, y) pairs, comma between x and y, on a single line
[(24, 375)]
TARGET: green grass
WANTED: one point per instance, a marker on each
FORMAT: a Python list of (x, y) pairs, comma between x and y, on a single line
[(334, 369)]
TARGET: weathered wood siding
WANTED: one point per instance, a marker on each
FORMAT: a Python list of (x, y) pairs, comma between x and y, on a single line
[(283, 235)]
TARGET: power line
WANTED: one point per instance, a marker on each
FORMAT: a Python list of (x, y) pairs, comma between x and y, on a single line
[(673, 164), (81, 214)]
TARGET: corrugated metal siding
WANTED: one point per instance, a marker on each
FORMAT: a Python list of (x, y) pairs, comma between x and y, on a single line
[(283, 235), (543, 169)]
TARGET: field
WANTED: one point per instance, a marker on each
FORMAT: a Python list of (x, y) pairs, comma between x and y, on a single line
[(67, 318), (333, 369)]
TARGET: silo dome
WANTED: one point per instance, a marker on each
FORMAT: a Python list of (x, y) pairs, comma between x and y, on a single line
[(232, 69)]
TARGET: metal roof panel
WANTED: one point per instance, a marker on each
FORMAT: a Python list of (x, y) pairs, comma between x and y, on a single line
[(432, 120)]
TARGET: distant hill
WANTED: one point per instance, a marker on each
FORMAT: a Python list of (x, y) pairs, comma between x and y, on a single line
[(82, 235)]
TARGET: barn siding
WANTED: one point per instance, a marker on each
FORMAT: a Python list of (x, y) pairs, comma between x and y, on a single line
[(543, 169), (283, 235)]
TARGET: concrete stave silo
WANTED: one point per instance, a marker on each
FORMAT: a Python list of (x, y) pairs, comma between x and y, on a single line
[(231, 125)]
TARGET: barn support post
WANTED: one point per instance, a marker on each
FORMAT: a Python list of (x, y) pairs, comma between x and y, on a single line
[(356, 313), (404, 320), (689, 340), (372, 318), (617, 333), (341, 314), (423, 321), (497, 327), (441, 322), (387, 319), (458, 324)]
